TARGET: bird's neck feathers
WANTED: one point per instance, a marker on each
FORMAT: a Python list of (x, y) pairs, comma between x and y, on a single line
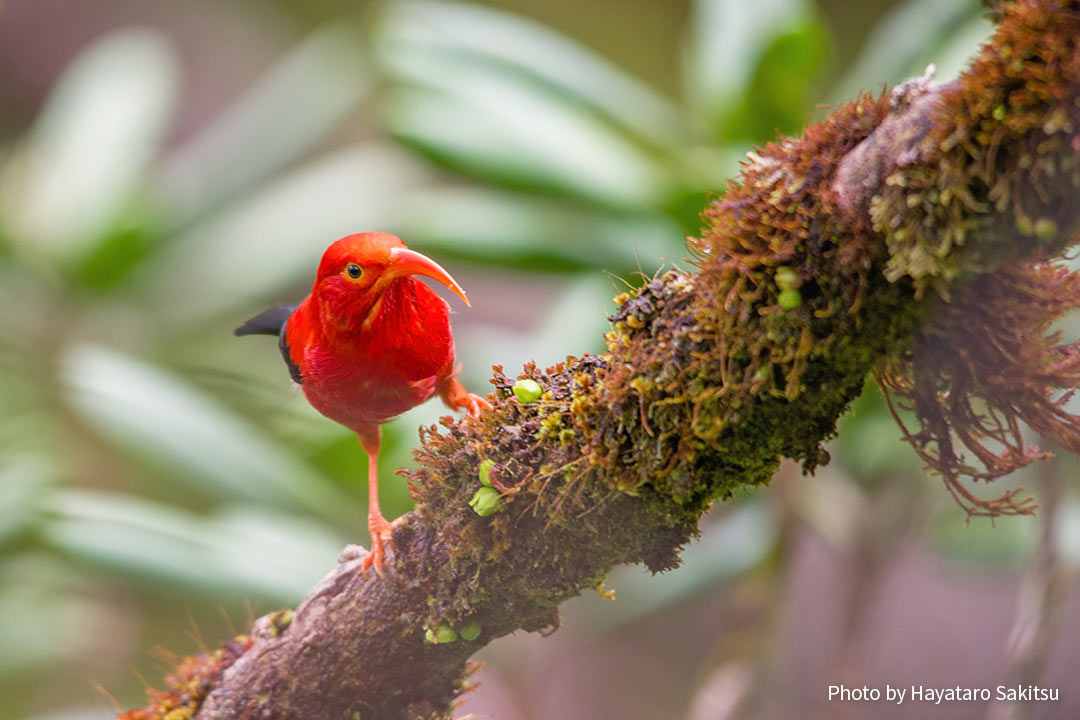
[(345, 314)]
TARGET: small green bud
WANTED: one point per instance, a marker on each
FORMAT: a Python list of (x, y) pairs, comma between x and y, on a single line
[(441, 635), (1045, 229), (790, 299), (527, 391), (485, 471), (470, 632), (786, 278), (999, 112), (486, 501)]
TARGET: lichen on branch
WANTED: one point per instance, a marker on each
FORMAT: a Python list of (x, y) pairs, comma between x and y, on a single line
[(863, 246)]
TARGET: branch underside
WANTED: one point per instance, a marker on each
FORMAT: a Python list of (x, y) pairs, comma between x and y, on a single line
[(823, 263)]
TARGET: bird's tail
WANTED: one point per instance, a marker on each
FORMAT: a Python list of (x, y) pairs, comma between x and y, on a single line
[(269, 322)]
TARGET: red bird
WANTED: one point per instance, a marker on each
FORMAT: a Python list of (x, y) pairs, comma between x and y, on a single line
[(368, 343)]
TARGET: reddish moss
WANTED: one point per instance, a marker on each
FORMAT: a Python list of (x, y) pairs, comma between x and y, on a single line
[(189, 685), (987, 364), (1003, 166)]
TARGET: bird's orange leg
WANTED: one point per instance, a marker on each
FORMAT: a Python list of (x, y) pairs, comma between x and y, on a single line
[(381, 530), (456, 397)]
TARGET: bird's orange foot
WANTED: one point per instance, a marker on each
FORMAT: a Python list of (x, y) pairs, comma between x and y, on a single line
[(473, 404), (457, 397), (381, 537)]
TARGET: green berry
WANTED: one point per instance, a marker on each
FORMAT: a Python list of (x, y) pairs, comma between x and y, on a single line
[(1045, 229), (485, 471), (470, 632), (441, 635), (486, 501), (527, 391), (786, 278), (789, 299)]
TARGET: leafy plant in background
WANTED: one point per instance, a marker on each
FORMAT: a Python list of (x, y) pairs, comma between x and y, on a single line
[(130, 440)]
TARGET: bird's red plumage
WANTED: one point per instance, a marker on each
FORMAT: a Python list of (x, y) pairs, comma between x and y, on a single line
[(370, 342), (365, 373)]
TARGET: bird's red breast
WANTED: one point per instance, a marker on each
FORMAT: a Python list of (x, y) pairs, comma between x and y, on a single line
[(371, 347), (362, 376)]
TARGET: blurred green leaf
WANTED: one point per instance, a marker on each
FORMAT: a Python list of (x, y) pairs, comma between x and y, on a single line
[(287, 112), (778, 96), (869, 444), (574, 322), (491, 126), (703, 172), (532, 233), (88, 151), (148, 411), (955, 52), (241, 552), (904, 43), (24, 481), (249, 254), (415, 37), (118, 254), (728, 42)]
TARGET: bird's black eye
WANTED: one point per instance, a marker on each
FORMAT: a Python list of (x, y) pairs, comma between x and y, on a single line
[(354, 270)]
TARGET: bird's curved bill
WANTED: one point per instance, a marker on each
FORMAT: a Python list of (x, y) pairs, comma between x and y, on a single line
[(404, 261)]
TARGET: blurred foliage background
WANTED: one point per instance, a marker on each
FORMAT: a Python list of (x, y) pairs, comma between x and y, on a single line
[(168, 169)]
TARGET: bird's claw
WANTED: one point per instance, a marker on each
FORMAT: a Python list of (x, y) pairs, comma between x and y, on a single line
[(457, 397), (381, 537), (474, 404)]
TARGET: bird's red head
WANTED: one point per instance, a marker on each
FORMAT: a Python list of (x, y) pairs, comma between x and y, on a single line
[(357, 269)]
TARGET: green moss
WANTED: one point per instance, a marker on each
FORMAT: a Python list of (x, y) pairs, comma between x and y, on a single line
[(280, 621)]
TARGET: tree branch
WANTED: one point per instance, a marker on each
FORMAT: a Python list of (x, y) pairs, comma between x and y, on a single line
[(812, 271)]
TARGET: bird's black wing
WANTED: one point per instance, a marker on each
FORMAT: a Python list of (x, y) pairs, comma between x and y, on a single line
[(272, 322)]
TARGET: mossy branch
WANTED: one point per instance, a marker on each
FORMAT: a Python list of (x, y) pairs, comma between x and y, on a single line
[(828, 259)]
